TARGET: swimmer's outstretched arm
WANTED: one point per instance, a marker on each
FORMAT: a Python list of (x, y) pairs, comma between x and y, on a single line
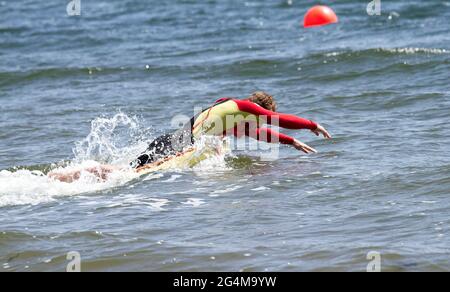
[(270, 136), (286, 121)]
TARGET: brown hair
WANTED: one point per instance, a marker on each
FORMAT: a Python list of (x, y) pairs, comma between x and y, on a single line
[(263, 99)]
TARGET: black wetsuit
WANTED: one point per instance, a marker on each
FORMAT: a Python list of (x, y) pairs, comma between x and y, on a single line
[(166, 145)]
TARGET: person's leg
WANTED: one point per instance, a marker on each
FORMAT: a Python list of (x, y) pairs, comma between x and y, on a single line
[(101, 171)]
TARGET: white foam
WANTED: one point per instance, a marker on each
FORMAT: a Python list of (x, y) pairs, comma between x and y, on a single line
[(26, 187), (406, 51), (410, 51), (157, 204), (260, 189), (173, 178), (227, 190), (153, 176), (194, 202)]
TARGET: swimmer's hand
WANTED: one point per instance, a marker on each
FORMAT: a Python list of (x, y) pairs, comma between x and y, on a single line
[(303, 147), (321, 130)]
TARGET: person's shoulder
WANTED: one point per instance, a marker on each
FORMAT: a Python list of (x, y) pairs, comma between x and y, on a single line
[(251, 107), (242, 101), (244, 105), (224, 99)]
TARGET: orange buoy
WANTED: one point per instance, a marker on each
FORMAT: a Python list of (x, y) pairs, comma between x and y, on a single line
[(320, 15)]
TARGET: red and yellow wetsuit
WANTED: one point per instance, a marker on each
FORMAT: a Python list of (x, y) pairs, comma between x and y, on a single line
[(225, 117)]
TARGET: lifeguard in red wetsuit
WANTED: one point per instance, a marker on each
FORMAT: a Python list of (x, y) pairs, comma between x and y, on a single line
[(227, 116), (236, 117)]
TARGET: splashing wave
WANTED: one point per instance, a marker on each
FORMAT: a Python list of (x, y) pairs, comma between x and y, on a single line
[(114, 141)]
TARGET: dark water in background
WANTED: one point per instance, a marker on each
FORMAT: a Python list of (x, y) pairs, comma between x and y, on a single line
[(380, 84)]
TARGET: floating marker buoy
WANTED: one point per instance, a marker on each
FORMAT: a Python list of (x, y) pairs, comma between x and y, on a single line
[(320, 15)]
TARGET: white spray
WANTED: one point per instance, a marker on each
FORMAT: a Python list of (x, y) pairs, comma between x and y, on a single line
[(115, 141)]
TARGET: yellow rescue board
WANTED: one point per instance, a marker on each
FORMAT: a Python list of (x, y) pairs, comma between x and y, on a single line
[(187, 159)]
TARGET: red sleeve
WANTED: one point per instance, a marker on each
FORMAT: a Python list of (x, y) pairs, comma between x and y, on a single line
[(285, 121), (264, 135)]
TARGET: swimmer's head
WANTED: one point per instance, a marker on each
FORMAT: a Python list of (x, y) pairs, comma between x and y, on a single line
[(263, 99)]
